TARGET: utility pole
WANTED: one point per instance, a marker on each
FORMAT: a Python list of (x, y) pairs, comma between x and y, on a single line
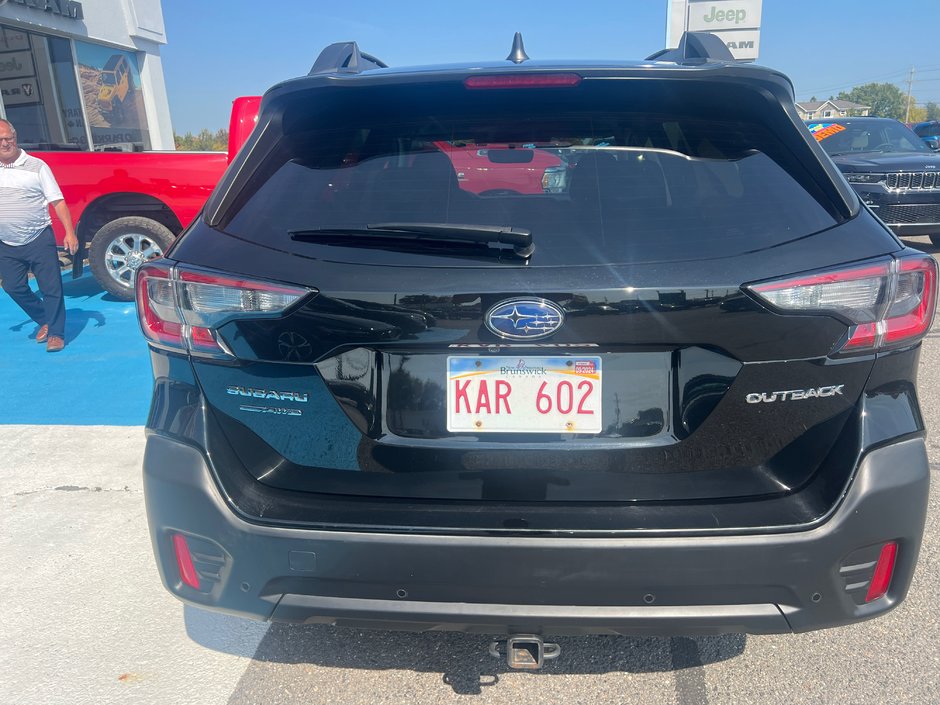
[(910, 83)]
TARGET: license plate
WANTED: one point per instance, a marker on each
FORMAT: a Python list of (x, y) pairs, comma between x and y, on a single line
[(524, 394)]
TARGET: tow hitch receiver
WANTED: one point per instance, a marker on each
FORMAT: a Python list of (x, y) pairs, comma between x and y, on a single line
[(525, 651)]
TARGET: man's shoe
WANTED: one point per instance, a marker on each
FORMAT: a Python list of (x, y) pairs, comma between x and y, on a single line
[(42, 334), (54, 344)]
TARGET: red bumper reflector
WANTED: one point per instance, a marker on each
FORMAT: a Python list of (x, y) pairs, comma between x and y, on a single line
[(185, 562), (884, 569)]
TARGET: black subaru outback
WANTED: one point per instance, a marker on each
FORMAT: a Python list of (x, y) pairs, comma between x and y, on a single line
[(665, 385)]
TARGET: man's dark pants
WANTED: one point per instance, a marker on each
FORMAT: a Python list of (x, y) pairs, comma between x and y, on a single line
[(41, 257)]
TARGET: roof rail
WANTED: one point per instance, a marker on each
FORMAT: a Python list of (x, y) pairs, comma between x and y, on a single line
[(695, 48), (345, 57)]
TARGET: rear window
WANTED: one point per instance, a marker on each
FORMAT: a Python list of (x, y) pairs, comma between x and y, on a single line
[(594, 175)]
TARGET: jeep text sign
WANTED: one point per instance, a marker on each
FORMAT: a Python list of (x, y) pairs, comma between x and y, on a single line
[(736, 22), (719, 15), (16, 64)]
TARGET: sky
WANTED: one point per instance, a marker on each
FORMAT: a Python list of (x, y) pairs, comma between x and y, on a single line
[(218, 50)]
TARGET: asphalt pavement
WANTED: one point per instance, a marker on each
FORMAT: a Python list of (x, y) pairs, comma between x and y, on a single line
[(85, 619)]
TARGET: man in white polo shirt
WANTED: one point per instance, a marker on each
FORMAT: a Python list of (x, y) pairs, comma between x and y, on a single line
[(27, 243)]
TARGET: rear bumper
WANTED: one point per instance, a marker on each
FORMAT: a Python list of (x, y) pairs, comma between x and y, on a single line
[(639, 585)]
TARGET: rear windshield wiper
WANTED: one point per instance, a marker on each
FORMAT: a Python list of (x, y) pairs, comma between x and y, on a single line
[(519, 239)]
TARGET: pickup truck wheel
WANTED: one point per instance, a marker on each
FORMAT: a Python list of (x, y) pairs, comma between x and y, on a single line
[(120, 247), (935, 239)]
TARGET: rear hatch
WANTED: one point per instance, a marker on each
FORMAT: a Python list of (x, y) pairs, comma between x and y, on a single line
[(634, 346)]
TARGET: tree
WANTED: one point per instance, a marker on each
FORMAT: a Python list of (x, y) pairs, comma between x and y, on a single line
[(917, 113), (205, 141), (932, 111), (885, 99)]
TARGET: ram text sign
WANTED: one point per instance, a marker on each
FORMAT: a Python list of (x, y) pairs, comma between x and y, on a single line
[(70, 9), (736, 22)]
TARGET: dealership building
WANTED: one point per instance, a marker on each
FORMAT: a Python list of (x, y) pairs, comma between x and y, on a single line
[(84, 74)]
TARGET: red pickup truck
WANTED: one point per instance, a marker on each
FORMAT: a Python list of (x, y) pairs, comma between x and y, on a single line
[(491, 169), (129, 206)]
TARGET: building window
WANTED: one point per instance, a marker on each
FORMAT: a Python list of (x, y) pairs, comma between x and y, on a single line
[(40, 96), (827, 113), (110, 80)]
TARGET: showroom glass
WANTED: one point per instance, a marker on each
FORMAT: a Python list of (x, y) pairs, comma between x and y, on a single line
[(40, 94), (111, 91), (48, 97)]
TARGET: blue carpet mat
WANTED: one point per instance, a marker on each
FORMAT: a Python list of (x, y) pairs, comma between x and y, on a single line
[(101, 378)]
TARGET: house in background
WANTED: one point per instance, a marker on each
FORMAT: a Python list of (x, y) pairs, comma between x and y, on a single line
[(831, 109)]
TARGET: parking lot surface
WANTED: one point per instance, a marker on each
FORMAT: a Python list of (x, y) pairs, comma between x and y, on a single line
[(101, 377), (87, 621)]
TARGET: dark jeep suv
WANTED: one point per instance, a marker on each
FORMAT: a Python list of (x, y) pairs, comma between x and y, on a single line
[(894, 172), (675, 394)]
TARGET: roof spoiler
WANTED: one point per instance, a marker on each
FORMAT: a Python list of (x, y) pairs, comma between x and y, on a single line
[(695, 48), (345, 57)]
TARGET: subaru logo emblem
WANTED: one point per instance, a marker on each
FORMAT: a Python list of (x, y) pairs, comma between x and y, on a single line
[(524, 319)]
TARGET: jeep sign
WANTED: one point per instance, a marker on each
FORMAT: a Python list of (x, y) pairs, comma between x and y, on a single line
[(718, 15), (736, 22)]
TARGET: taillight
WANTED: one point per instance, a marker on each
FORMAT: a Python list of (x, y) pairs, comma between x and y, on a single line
[(182, 308), (915, 299), (888, 304), (156, 306)]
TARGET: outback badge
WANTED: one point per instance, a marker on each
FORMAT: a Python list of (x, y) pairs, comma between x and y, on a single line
[(795, 394), (524, 319)]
